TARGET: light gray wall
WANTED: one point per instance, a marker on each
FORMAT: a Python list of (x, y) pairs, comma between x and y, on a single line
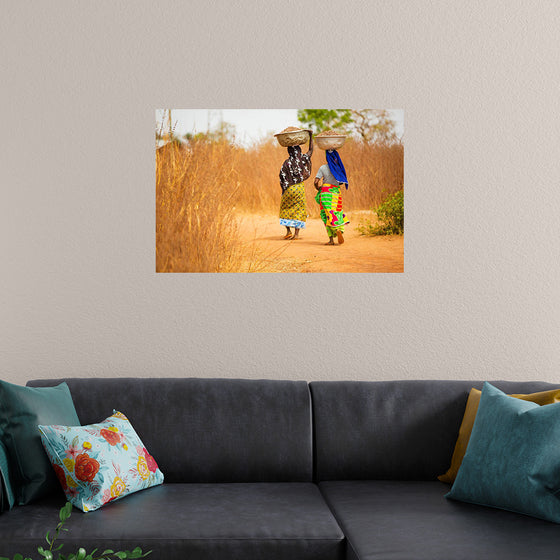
[(479, 83)]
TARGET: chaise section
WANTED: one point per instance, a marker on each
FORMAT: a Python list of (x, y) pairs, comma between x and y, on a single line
[(273, 521), (408, 520)]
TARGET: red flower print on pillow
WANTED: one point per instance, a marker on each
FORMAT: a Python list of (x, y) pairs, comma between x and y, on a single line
[(86, 467), (113, 437), (61, 475), (152, 465)]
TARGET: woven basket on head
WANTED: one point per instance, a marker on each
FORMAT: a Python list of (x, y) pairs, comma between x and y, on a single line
[(330, 140), (292, 136)]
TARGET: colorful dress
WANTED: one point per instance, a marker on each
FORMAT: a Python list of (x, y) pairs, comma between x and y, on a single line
[(329, 199), (293, 207)]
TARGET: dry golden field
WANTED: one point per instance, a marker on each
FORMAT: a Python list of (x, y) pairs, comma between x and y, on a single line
[(203, 188)]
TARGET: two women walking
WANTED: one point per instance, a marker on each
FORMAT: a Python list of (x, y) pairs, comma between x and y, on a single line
[(293, 209)]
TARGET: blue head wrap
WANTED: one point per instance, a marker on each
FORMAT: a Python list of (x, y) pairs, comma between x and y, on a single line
[(336, 166)]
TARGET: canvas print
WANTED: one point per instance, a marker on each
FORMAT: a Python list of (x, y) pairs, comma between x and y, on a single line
[(279, 190)]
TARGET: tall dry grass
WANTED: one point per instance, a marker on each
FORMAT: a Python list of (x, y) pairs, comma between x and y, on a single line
[(374, 172), (202, 185), (195, 222)]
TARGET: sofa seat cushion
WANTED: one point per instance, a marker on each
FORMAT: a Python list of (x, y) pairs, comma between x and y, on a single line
[(192, 521), (412, 520)]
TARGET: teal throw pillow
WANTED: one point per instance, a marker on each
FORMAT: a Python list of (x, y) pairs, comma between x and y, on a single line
[(21, 410), (513, 457), (99, 463), (7, 498)]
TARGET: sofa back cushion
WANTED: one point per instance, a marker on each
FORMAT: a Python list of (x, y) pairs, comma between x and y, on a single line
[(208, 430), (393, 430)]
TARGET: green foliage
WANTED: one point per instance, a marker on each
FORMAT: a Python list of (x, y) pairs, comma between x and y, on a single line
[(81, 554), (322, 119), (391, 217), (223, 132), (370, 125)]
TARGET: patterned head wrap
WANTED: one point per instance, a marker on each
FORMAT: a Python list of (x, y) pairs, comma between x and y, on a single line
[(295, 169)]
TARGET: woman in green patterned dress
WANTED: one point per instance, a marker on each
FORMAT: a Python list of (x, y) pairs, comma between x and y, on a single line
[(295, 170), (329, 196)]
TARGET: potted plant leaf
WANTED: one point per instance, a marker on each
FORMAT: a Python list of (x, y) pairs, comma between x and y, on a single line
[(53, 553)]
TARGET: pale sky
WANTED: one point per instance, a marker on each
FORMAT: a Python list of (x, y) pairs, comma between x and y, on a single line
[(251, 125)]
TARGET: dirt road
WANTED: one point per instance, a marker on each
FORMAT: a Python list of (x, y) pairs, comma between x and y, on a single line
[(268, 252)]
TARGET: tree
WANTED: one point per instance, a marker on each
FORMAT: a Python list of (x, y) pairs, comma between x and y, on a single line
[(322, 119), (371, 125), (224, 131), (374, 125)]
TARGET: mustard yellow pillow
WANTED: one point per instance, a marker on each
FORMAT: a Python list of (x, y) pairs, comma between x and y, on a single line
[(541, 398)]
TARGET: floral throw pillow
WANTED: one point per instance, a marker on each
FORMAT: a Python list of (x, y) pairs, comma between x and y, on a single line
[(99, 463)]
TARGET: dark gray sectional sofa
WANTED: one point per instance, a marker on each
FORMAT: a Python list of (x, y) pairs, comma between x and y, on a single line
[(285, 470)]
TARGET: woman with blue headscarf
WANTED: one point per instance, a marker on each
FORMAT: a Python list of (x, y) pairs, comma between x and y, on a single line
[(329, 196)]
